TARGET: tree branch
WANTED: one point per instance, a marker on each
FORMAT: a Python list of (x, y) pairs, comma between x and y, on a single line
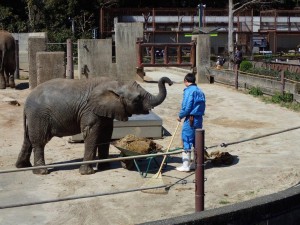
[(244, 5)]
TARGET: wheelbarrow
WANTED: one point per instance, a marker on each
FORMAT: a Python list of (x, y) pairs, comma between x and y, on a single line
[(131, 164)]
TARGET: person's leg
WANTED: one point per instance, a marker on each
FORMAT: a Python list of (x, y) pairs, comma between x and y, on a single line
[(186, 157), (187, 134)]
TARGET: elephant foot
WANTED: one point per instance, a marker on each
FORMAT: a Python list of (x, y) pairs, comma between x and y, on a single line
[(86, 169), (103, 166), (23, 164), (2, 86), (11, 81), (40, 171), (12, 85)]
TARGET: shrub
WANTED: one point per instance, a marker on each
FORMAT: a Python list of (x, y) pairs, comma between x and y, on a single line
[(291, 75), (255, 91), (264, 71), (285, 97), (245, 66)]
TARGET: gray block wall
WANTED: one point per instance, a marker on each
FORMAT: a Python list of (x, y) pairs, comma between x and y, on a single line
[(95, 55), (50, 65), (202, 57), (35, 44), (95, 58), (126, 35), (23, 46)]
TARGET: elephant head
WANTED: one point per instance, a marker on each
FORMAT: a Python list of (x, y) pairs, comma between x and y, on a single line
[(119, 100)]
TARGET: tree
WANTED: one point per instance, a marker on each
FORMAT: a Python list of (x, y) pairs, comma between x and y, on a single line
[(238, 6)]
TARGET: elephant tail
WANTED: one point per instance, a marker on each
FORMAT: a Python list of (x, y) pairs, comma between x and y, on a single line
[(26, 136), (2, 61)]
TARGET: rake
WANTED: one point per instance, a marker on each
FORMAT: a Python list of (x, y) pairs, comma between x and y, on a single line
[(156, 180)]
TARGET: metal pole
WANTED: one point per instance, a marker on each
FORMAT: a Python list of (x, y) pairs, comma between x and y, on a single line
[(199, 175), (199, 7), (70, 67), (17, 71)]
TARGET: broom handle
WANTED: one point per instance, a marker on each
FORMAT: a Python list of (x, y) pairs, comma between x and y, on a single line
[(165, 156)]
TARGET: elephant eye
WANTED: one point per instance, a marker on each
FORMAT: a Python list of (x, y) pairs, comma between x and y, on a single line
[(137, 99)]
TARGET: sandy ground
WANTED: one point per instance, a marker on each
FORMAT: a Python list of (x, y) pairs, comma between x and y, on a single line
[(262, 167)]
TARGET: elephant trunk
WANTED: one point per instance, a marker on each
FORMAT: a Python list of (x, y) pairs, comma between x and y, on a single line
[(160, 97), (150, 101)]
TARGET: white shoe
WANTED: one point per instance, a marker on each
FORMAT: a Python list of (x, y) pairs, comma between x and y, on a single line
[(186, 157), (183, 169)]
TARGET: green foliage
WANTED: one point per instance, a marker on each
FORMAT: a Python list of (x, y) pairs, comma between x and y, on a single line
[(287, 102), (52, 16), (245, 66), (279, 97), (264, 71), (256, 91), (291, 75)]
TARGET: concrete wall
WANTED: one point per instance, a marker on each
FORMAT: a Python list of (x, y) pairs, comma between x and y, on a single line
[(95, 55), (275, 209), (126, 35), (202, 57), (23, 46), (50, 65), (95, 58), (35, 44), (268, 86)]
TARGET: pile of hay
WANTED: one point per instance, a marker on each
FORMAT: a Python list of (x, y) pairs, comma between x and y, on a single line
[(138, 145)]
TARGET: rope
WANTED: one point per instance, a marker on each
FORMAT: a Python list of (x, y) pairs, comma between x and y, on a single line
[(90, 162), (75, 197), (250, 139)]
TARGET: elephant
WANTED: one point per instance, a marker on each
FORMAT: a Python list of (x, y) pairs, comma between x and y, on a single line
[(62, 107), (7, 60)]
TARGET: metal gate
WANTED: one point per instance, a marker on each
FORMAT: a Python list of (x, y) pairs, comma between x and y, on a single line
[(166, 54)]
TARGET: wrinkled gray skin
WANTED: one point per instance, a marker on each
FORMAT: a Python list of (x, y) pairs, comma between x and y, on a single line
[(7, 60), (62, 107)]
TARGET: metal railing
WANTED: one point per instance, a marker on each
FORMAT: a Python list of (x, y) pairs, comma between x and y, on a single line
[(166, 54)]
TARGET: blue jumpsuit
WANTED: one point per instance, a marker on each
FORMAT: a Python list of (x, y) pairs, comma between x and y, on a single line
[(193, 103)]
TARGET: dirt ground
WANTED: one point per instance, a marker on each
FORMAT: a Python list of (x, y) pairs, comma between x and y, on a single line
[(262, 166)]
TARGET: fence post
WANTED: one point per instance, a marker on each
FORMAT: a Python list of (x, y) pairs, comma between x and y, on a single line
[(70, 67), (17, 71), (199, 175), (236, 80), (139, 53), (282, 81)]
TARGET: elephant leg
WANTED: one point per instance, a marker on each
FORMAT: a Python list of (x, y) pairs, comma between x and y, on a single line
[(104, 143), (39, 160), (11, 81), (90, 147), (24, 155), (2, 80)]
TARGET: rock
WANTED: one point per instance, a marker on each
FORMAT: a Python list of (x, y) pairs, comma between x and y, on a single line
[(11, 101)]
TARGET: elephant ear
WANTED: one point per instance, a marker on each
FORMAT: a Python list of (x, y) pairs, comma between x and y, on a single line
[(108, 103)]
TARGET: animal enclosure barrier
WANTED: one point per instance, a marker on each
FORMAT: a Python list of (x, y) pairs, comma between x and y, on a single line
[(166, 54)]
